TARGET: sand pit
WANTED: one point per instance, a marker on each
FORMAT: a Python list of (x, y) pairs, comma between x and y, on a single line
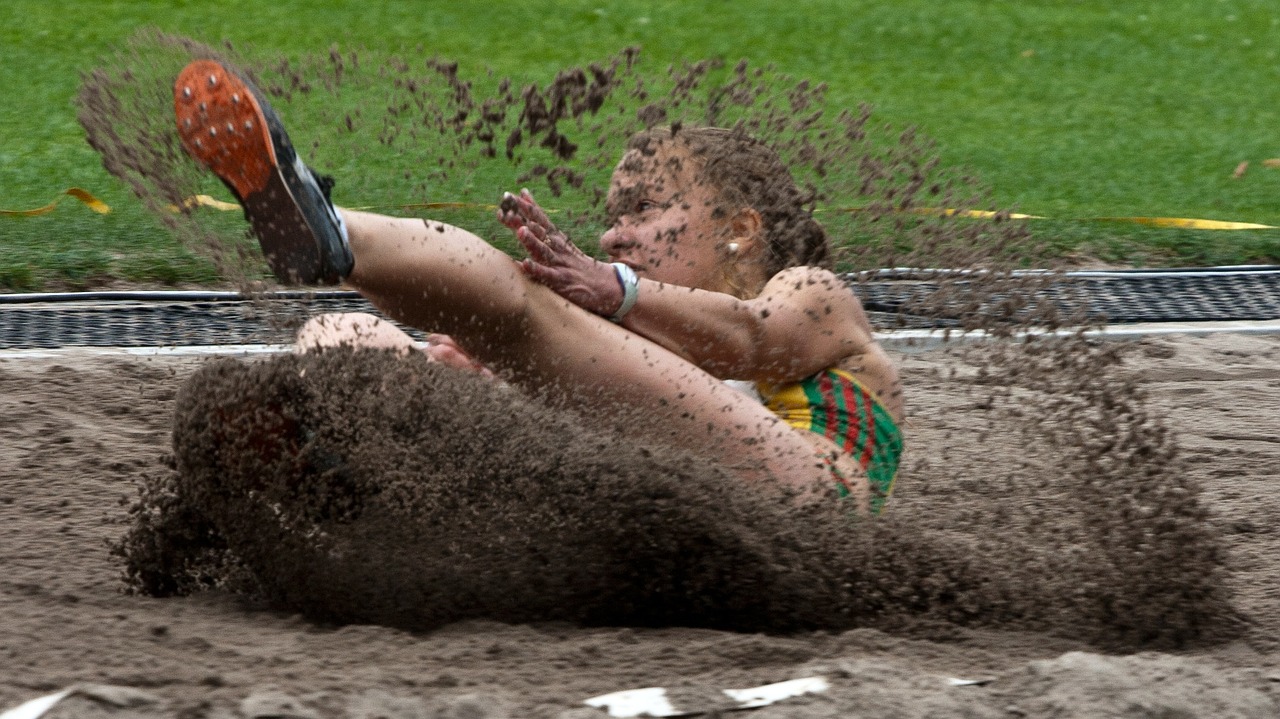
[(81, 431)]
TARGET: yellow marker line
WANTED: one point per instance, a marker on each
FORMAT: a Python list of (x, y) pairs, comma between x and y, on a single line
[(205, 201), (1187, 223), (89, 200), (988, 214), (211, 202)]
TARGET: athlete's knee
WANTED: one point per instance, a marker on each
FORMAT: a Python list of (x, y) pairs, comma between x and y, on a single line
[(350, 329)]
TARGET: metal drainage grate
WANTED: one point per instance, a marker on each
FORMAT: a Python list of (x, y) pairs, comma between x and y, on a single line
[(148, 319)]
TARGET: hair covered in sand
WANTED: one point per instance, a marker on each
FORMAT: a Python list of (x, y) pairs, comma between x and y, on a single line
[(747, 172)]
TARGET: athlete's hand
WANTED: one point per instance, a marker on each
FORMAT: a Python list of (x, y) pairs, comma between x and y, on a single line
[(442, 349), (556, 262)]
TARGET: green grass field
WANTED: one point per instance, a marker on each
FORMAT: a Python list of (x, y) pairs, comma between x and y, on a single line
[(1070, 110)]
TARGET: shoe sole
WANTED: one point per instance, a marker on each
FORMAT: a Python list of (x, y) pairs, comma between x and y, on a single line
[(228, 126)]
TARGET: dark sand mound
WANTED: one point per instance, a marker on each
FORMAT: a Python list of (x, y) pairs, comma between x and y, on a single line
[(365, 487), (401, 492)]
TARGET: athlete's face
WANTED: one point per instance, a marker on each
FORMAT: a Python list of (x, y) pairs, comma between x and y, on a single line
[(665, 222)]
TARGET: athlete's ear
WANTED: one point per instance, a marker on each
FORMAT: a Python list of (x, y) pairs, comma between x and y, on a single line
[(746, 227)]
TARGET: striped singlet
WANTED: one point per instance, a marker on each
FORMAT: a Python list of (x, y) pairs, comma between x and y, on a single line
[(834, 404)]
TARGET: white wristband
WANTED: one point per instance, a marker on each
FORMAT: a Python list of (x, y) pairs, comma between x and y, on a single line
[(630, 289)]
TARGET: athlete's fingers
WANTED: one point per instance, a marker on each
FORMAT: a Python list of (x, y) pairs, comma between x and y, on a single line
[(538, 250), (453, 356), (510, 212), (435, 338), (538, 231), (535, 210), (538, 272), (510, 219), (524, 211), (447, 354)]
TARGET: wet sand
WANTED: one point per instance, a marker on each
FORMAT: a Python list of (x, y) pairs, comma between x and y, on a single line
[(80, 431)]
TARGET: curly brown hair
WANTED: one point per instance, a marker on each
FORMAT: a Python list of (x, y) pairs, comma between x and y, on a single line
[(749, 173)]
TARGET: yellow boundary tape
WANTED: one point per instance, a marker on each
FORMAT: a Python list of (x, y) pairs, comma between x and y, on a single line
[(1185, 223), (214, 203), (89, 200), (205, 201)]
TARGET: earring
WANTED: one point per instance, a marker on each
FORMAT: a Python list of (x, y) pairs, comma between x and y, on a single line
[(733, 247)]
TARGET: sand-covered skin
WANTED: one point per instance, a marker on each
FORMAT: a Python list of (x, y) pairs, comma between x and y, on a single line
[(80, 431)]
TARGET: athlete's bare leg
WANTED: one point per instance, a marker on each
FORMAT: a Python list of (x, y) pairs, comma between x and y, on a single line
[(444, 279)]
